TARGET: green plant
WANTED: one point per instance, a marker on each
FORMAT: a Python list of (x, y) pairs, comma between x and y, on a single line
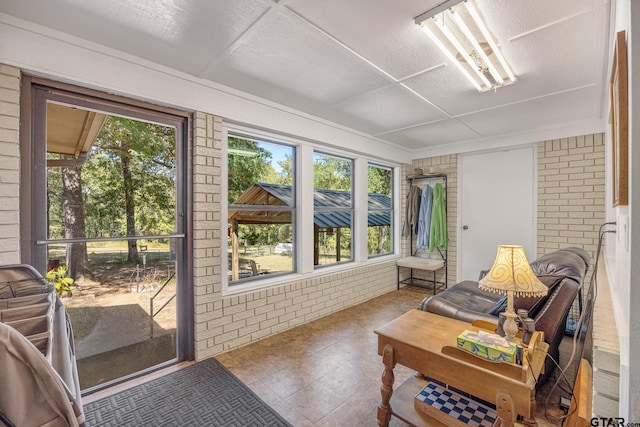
[(58, 278)]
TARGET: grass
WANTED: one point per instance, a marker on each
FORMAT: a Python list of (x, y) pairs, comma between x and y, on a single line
[(274, 263), (267, 263)]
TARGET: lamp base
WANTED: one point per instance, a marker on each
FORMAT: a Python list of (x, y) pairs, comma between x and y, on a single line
[(510, 326)]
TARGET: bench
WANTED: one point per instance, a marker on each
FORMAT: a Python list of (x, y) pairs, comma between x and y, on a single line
[(425, 264)]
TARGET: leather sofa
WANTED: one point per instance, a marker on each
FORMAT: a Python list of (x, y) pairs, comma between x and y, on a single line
[(562, 271)]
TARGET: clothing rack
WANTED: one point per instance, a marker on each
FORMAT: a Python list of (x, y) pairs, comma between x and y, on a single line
[(413, 262)]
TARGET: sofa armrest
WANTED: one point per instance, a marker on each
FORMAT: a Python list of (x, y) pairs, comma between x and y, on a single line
[(551, 319), (435, 305)]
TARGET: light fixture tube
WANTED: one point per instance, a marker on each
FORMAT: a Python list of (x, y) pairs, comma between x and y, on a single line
[(492, 69), (485, 32), (436, 10), (454, 41), (452, 58)]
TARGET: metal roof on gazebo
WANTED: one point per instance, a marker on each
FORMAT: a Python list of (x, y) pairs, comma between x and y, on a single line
[(260, 194)]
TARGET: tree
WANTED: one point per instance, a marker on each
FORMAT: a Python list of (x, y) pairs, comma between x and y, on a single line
[(248, 163), (331, 173), (285, 175), (379, 181), (74, 224), (132, 180), (65, 215), (55, 215)]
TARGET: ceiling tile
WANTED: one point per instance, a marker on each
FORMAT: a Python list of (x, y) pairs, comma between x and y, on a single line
[(432, 134), (383, 32), (181, 34), (536, 114), (509, 18), (342, 60), (288, 61), (388, 108)]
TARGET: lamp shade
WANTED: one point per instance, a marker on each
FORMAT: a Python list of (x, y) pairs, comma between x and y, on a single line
[(511, 272)]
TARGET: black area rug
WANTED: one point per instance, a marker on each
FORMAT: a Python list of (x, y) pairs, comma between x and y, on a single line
[(203, 394)]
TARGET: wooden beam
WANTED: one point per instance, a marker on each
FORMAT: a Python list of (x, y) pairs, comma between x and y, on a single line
[(235, 256), (316, 244)]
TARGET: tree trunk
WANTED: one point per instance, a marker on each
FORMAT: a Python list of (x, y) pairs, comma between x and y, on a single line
[(382, 238), (129, 206), (74, 224)]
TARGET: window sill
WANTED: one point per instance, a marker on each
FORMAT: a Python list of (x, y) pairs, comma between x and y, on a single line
[(284, 279)]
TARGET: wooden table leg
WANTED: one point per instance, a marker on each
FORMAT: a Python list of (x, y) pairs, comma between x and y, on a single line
[(384, 409), (506, 409), (533, 406)]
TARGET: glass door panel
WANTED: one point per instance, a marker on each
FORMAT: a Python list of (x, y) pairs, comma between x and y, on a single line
[(111, 227)]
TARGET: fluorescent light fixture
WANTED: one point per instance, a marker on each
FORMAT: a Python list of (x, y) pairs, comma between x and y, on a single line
[(456, 27), (241, 152)]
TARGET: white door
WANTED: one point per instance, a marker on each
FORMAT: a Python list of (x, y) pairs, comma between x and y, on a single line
[(497, 196)]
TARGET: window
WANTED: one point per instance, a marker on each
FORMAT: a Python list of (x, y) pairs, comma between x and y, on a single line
[(333, 209), (261, 200), (380, 210)]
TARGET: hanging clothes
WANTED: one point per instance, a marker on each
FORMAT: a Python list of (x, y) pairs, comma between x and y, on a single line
[(438, 233), (411, 213), (424, 217)]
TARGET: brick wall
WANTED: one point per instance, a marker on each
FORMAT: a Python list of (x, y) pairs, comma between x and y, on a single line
[(570, 193), (449, 164), (224, 323), (9, 165)]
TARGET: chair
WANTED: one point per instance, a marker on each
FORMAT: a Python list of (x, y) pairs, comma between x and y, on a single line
[(254, 267)]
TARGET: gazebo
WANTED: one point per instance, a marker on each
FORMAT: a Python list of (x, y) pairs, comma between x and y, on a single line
[(260, 194)]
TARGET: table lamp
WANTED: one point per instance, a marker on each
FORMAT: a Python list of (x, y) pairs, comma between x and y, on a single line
[(511, 274)]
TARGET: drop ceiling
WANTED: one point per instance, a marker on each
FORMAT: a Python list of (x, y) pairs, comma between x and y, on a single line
[(364, 64)]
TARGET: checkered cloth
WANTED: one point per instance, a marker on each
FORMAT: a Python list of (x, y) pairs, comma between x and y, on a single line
[(457, 406)]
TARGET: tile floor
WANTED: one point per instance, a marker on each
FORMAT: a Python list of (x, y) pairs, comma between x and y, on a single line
[(327, 372)]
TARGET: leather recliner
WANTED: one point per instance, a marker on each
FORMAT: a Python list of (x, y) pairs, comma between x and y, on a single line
[(562, 271)]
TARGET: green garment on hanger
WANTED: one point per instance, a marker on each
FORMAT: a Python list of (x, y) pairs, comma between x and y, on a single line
[(438, 234)]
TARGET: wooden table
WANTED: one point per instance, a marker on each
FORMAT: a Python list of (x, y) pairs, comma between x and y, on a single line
[(426, 342)]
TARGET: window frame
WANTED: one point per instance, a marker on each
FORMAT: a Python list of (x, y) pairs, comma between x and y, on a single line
[(243, 283), (351, 209), (391, 209), (304, 154)]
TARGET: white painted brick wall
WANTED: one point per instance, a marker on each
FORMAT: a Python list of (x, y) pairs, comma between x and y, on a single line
[(9, 165), (570, 193), (224, 323), (449, 164)]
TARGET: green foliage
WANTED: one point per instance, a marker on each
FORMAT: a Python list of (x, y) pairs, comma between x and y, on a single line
[(285, 176), (379, 180), (265, 234), (151, 152), (331, 173), (379, 237), (379, 240), (58, 278), (246, 169)]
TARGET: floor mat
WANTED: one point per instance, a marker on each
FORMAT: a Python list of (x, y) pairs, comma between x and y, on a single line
[(203, 394)]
